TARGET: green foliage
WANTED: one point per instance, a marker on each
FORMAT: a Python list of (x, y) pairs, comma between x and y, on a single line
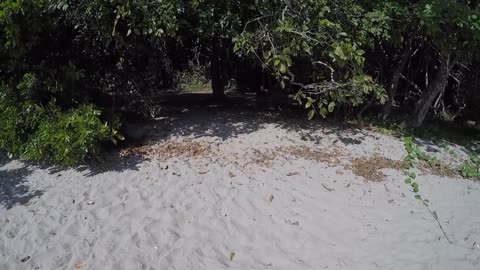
[(219, 19), (120, 19), (322, 98), (32, 131), (69, 137), (451, 25), (117, 54), (193, 79), (471, 168), (414, 152), (319, 48), (10, 28), (415, 187)]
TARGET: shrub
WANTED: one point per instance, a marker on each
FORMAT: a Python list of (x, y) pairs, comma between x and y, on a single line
[(69, 137), (46, 132), (471, 168), (193, 79)]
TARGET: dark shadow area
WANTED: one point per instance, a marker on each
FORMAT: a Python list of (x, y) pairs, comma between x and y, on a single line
[(111, 162), (350, 141), (14, 188), (432, 134), (440, 133), (108, 162), (172, 102), (200, 115), (430, 149)]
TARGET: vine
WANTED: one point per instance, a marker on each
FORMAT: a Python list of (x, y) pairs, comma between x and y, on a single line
[(415, 153)]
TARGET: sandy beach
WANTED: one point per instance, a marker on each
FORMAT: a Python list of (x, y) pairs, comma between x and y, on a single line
[(219, 190)]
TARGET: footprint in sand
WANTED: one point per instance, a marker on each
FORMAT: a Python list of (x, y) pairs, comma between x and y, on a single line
[(62, 260), (11, 233)]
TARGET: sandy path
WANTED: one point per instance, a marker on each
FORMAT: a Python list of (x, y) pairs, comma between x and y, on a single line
[(231, 210)]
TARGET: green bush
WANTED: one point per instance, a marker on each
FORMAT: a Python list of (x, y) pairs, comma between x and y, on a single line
[(46, 132), (471, 168), (194, 79)]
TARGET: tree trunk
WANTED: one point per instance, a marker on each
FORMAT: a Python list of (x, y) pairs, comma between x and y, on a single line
[(365, 107), (217, 69), (395, 78), (433, 90)]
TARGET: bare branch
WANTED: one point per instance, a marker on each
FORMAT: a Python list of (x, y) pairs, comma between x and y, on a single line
[(255, 20), (411, 83), (332, 71), (304, 35)]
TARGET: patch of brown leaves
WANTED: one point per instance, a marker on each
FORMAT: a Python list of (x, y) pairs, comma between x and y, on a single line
[(370, 168), (265, 158), (438, 169), (167, 149)]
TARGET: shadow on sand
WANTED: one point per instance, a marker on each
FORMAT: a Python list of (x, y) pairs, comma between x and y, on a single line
[(15, 188), (199, 115), (187, 114)]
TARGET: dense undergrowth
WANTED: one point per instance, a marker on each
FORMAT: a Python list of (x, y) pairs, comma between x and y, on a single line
[(46, 132)]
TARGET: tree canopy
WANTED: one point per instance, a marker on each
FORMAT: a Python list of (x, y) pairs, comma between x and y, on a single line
[(67, 61)]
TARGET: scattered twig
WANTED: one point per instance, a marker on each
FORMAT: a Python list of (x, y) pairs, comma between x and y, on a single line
[(435, 216), (327, 188), (256, 20)]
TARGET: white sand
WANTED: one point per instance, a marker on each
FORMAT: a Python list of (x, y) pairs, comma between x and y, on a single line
[(198, 212)]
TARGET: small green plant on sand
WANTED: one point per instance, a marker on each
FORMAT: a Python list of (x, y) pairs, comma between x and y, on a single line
[(412, 153), (471, 168)]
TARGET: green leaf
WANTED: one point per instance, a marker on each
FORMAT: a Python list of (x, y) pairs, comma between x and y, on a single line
[(340, 53), (408, 180), (311, 113), (331, 107), (323, 112), (288, 60), (415, 187), (309, 103)]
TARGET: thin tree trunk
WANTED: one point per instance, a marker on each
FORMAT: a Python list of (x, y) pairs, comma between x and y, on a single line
[(395, 78), (365, 107), (217, 69), (434, 89)]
